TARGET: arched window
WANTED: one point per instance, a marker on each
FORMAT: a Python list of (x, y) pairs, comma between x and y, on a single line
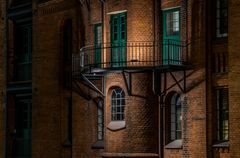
[(117, 104), (176, 117)]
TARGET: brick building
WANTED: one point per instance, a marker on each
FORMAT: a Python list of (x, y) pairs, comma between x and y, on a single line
[(119, 78)]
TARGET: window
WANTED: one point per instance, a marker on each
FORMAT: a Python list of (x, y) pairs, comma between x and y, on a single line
[(172, 23), (117, 104), (100, 120), (171, 37), (222, 114), (23, 126), (67, 40), (97, 44), (67, 53), (118, 37), (176, 118), (222, 18), (23, 67)]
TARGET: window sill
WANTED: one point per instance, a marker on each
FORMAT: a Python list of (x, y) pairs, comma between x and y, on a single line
[(176, 144), (98, 145), (222, 144), (116, 125)]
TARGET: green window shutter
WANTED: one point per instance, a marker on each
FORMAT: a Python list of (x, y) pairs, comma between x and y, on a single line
[(118, 39)]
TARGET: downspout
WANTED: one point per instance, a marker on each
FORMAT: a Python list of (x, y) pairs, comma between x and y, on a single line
[(4, 68), (157, 25)]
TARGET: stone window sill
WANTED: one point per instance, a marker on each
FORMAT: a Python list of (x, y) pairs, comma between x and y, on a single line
[(222, 144), (116, 125), (176, 144)]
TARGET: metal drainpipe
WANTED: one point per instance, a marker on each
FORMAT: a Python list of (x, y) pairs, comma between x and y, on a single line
[(4, 93), (160, 112)]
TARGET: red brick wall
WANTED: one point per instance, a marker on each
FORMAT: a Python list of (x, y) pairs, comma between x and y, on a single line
[(140, 134), (49, 97), (234, 48)]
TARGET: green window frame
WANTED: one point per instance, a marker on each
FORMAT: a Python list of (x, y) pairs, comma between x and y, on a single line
[(222, 114), (23, 126), (118, 39), (23, 67), (221, 18), (98, 44), (171, 37)]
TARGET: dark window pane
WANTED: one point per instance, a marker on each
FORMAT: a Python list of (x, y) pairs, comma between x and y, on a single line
[(222, 18), (223, 114)]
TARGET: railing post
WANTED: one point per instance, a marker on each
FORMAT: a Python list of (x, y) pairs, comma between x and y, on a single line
[(168, 52)]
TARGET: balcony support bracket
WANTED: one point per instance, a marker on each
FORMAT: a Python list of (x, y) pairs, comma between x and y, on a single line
[(91, 85), (128, 81), (181, 87)]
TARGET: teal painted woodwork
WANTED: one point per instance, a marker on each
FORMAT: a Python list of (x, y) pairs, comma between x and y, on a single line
[(24, 53), (23, 126), (97, 44), (118, 39), (171, 37)]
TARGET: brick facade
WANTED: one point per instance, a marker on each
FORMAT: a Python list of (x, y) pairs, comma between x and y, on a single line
[(64, 105)]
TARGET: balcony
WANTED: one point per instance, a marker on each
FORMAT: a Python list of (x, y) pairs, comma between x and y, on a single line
[(97, 59)]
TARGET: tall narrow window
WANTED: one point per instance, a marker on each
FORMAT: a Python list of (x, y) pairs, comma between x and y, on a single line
[(117, 104), (23, 67), (171, 37), (118, 39), (100, 117), (176, 118), (222, 18), (222, 114), (23, 126), (67, 53), (97, 44), (67, 41)]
